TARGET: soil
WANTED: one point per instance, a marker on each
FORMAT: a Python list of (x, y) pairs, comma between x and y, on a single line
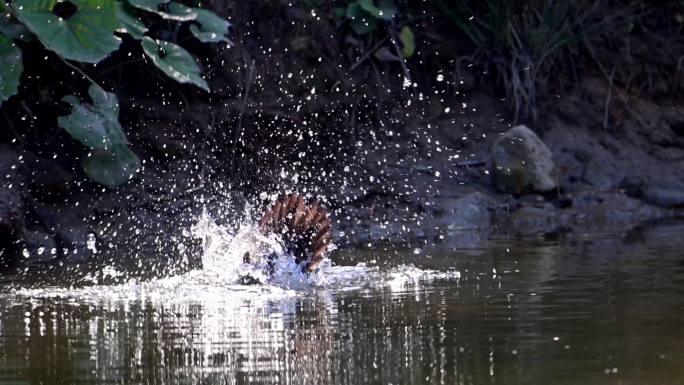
[(298, 106)]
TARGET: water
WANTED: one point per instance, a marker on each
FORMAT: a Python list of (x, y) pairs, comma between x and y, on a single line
[(606, 308)]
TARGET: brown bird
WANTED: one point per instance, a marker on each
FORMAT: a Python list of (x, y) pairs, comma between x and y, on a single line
[(304, 228)]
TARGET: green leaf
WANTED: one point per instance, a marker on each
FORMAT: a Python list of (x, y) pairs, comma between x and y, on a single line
[(11, 68), (178, 12), (111, 168), (165, 9), (385, 11), (130, 23), (340, 13), (212, 28), (15, 31), (388, 8), (408, 42), (86, 36), (10, 27), (147, 5), (360, 21), (174, 61), (95, 125)]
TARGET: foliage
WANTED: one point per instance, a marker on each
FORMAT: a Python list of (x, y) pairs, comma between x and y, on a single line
[(176, 62), (86, 31), (86, 35), (523, 41), (367, 16), (211, 29), (10, 68), (364, 15), (130, 23), (97, 126), (408, 42)]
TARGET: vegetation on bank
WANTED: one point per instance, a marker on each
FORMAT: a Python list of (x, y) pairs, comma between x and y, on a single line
[(88, 31), (526, 51)]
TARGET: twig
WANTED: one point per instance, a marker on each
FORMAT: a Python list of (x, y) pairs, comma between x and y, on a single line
[(117, 66), (11, 126), (401, 57), (80, 71), (368, 53), (629, 109), (608, 99)]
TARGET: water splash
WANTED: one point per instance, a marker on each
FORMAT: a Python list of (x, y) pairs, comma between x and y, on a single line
[(223, 251)]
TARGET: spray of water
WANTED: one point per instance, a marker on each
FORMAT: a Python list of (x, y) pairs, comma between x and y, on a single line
[(224, 271)]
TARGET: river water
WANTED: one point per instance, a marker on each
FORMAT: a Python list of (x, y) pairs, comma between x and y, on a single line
[(599, 308)]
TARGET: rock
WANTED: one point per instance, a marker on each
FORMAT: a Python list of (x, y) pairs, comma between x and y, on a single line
[(11, 207), (633, 186), (48, 181), (467, 212), (523, 163), (68, 224), (40, 247), (534, 219), (666, 192)]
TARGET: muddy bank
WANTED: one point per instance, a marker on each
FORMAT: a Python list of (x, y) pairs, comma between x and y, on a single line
[(400, 151), (429, 181), (439, 176)]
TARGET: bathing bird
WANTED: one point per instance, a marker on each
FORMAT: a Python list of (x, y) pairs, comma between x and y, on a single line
[(304, 229)]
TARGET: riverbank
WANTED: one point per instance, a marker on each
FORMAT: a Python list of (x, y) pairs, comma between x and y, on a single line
[(401, 149)]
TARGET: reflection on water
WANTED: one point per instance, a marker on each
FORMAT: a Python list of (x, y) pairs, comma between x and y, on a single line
[(605, 309)]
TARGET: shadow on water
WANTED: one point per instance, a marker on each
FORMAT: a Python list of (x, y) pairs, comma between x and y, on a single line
[(604, 308)]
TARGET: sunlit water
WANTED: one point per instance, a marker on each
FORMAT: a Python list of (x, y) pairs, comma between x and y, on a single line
[(602, 309)]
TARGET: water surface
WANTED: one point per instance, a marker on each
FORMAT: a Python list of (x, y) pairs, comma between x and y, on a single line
[(606, 308)]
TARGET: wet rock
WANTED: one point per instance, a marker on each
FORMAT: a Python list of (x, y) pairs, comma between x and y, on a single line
[(534, 217), (39, 246), (632, 186), (48, 181), (522, 163), (68, 225), (666, 192), (11, 206), (467, 212)]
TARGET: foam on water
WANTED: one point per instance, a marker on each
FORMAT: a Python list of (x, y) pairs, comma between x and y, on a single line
[(223, 269)]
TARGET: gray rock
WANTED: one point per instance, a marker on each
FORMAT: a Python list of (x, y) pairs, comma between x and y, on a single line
[(47, 180), (667, 192), (11, 206), (523, 163), (467, 212), (40, 247), (633, 186), (69, 226)]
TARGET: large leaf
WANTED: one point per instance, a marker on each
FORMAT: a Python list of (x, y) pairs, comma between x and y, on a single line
[(111, 168), (174, 61), (361, 21), (408, 42), (385, 10), (147, 5), (166, 9), (9, 25), (130, 23), (178, 12), (11, 68), (86, 35), (212, 28), (95, 125)]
